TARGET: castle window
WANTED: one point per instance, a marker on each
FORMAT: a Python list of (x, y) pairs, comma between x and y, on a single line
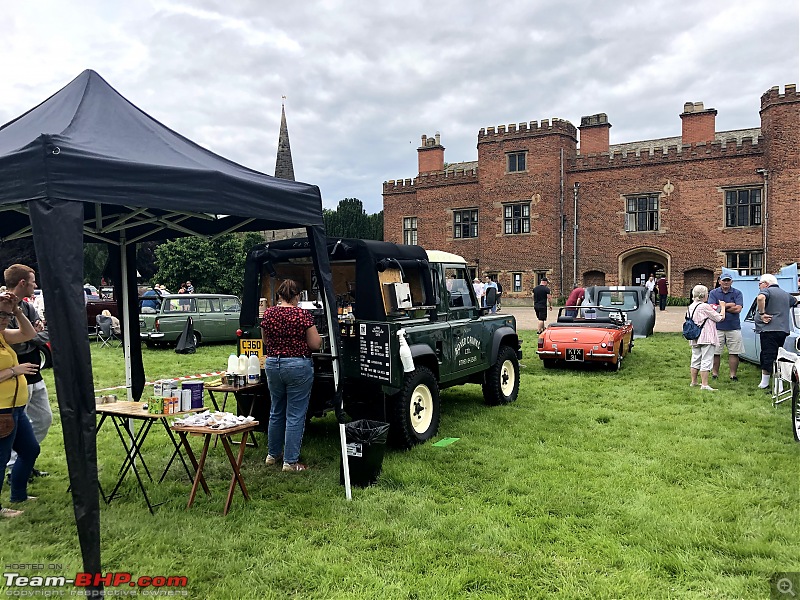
[(743, 207), (641, 213), (746, 262), (517, 218), (410, 230), (515, 161), (516, 282), (465, 223)]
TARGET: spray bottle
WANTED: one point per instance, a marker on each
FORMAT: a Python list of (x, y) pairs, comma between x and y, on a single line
[(405, 352)]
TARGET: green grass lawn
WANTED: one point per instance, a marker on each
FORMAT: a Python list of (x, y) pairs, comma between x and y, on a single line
[(592, 485)]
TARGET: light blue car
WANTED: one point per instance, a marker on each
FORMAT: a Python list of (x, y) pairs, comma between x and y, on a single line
[(748, 285)]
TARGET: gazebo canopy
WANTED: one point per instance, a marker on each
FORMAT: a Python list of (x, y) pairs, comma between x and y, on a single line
[(86, 165)]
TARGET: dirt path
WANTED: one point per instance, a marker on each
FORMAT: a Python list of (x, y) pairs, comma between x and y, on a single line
[(668, 321)]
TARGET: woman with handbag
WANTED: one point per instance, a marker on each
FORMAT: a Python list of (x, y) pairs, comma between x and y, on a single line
[(707, 317), (15, 428)]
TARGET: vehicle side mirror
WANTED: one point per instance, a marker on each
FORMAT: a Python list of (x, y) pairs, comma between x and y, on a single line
[(491, 297)]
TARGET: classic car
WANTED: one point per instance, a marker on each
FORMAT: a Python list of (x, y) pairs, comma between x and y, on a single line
[(634, 300), (215, 318), (586, 334)]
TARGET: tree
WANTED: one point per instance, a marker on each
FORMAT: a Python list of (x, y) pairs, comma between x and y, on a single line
[(212, 266), (95, 257), (351, 220)]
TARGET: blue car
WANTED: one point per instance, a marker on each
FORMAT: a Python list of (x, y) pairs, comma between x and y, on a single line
[(748, 285)]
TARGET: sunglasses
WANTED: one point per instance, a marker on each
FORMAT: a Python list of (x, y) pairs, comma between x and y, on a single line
[(5, 315)]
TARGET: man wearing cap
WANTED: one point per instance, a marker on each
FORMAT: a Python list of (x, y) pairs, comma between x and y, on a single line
[(542, 300), (729, 330)]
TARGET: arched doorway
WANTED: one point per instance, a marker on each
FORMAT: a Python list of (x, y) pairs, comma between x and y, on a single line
[(637, 265)]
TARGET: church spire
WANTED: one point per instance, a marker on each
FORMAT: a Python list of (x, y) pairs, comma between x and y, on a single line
[(283, 163)]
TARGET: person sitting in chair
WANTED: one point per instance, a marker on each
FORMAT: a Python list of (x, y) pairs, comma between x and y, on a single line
[(115, 326)]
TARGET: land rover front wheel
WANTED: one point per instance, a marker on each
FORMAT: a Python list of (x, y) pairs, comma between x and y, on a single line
[(501, 385), (414, 414)]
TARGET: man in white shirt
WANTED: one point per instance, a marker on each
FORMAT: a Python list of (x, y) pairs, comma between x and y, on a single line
[(478, 287)]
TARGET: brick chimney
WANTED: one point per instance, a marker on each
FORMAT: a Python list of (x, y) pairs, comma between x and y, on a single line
[(594, 133), (430, 155), (698, 123)]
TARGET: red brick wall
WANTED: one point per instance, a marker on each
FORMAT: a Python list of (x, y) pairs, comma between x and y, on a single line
[(692, 236), (780, 117)]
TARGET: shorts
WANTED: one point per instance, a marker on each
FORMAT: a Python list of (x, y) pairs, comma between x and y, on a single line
[(732, 340), (541, 313), (702, 357)]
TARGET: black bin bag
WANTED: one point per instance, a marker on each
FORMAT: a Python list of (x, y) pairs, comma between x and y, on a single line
[(366, 444)]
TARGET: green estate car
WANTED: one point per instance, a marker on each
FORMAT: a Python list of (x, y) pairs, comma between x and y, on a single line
[(162, 318)]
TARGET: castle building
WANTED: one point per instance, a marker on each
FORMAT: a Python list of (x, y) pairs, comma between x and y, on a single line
[(537, 204)]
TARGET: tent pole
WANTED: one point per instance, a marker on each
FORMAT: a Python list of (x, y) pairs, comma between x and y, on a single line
[(126, 318)]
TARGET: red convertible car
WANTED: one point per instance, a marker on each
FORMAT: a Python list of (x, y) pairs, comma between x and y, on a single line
[(586, 334)]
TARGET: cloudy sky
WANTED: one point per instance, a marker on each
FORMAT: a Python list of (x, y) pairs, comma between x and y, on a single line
[(365, 79)]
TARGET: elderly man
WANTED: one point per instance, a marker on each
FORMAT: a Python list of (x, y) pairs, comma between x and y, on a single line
[(729, 330), (772, 322)]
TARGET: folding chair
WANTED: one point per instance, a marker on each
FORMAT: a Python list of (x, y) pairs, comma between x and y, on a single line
[(782, 376), (105, 333)]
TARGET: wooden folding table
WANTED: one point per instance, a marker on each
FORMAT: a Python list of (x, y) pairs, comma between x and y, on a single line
[(236, 462)]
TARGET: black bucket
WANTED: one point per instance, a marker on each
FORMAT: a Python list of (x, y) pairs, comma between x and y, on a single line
[(366, 445)]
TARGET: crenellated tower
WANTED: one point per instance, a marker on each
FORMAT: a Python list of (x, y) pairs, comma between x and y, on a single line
[(780, 117)]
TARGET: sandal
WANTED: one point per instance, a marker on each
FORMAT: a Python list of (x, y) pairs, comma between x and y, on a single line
[(9, 513), (294, 467)]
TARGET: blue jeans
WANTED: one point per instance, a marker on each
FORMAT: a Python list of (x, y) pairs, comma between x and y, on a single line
[(290, 381), (24, 443)]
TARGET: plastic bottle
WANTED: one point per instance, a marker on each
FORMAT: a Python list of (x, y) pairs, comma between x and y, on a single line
[(253, 370), (233, 365), (405, 352), (241, 369)]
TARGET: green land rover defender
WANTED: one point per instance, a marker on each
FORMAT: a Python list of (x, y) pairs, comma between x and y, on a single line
[(408, 324)]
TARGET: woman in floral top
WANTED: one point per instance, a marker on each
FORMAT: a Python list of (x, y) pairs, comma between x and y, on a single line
[(289, 336), (703, 347)]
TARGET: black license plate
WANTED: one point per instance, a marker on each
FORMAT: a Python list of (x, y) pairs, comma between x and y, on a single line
[(574, 355)]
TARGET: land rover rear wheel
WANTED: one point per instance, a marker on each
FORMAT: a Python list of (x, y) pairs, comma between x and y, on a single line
[(501, 384), (414, 412)]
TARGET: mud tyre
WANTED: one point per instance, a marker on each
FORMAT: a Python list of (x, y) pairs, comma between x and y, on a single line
[(414, 412), (501, 384)]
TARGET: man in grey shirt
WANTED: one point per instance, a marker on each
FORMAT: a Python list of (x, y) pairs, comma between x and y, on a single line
[(773, 322)]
